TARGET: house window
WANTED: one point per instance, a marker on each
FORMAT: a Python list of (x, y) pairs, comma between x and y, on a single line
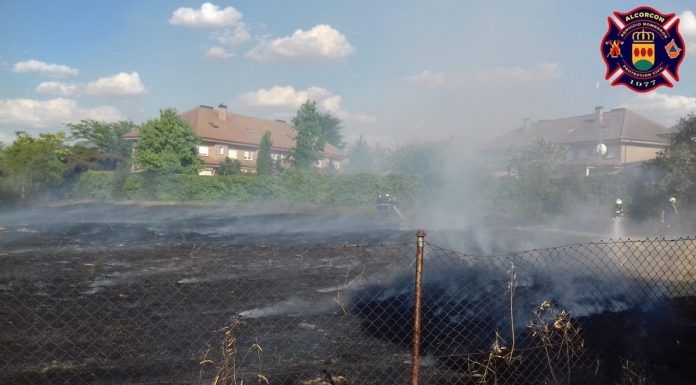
[(203, 150), (222, 150), (274, 156), (232, 154), (248, 155)]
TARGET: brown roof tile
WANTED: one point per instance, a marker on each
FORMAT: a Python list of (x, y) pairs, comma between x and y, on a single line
[(619, 124), (240, 129)]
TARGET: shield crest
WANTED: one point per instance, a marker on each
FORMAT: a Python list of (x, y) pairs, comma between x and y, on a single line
[(643, 56), (643, 50)]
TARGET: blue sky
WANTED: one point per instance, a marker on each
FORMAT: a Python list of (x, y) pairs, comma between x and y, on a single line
[(393, 71)]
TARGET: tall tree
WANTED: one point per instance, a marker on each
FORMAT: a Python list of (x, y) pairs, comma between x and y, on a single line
[(537, 169), (31, 165), (99, 145), (309, 138), (167, 145), (424, 159), (360, 156), (106, 137), (331, 129), (264, 161), (678, 161)]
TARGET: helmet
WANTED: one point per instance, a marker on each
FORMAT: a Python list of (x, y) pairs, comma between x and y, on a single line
[(619, 201), (672, 200)]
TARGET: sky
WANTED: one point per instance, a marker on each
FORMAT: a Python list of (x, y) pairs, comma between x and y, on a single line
[(396, 72)]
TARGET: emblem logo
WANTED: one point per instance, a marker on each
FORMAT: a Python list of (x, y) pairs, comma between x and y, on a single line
[(643, 49)]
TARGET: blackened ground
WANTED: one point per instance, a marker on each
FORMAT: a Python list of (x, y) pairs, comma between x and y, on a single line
[(653, 341), (108, 294), (111, 294)]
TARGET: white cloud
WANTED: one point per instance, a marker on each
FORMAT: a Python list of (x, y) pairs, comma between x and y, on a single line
[(120, 84), (687, 27), (55, 70), (542, 72), (57, 88), (320, 42), (38, 114), (286, 97), (283, 96), (661, 107), (218, 53), (232, 37), (208, 16)]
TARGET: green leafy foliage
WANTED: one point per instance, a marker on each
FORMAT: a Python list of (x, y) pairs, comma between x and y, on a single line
[(30, 166), (264, 162), (167, 145), (104, 139), (424, 160), (331, 129), (229, 167), (99, 185), (292, 187), (537, 170), (677, 162), (309, 141)]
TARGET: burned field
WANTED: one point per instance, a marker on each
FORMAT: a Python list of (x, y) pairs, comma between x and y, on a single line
[(150, 295)]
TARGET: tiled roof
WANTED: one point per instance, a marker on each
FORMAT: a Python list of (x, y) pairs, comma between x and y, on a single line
[(240, 129), (618, 124)]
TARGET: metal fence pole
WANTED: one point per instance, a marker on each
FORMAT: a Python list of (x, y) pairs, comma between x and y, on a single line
[(415, 354)]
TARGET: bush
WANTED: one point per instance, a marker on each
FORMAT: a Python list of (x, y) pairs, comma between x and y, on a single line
[(358, 190), (99, 185)]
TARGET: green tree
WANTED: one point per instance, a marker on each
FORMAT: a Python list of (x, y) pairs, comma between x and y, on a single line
[(361, 157), (537, 170), (104, 137), (417, 159), (32, 165), (331, 129), (264, 161), (677, 162), (309, 138), (229, 167), (167, 145)]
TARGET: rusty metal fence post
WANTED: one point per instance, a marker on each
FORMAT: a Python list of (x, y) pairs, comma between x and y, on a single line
[(415, 353)]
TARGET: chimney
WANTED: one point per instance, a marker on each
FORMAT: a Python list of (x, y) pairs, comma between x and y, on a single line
[(599, 116), (525, 125), (222, 112)]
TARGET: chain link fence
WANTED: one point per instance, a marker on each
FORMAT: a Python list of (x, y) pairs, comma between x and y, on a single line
[(600, 313)]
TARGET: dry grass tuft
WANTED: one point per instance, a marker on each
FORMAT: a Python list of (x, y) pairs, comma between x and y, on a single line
[(558, 335), (228, 369)]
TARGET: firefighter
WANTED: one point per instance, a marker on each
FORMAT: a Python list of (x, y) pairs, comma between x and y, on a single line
[(381, 204), (669, 213), (618, 208)]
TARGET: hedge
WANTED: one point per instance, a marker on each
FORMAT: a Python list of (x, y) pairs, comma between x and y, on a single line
[(354, 190)]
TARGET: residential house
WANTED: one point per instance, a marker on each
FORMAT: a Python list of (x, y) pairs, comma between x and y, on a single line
[(227, 135), (602, 142)]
